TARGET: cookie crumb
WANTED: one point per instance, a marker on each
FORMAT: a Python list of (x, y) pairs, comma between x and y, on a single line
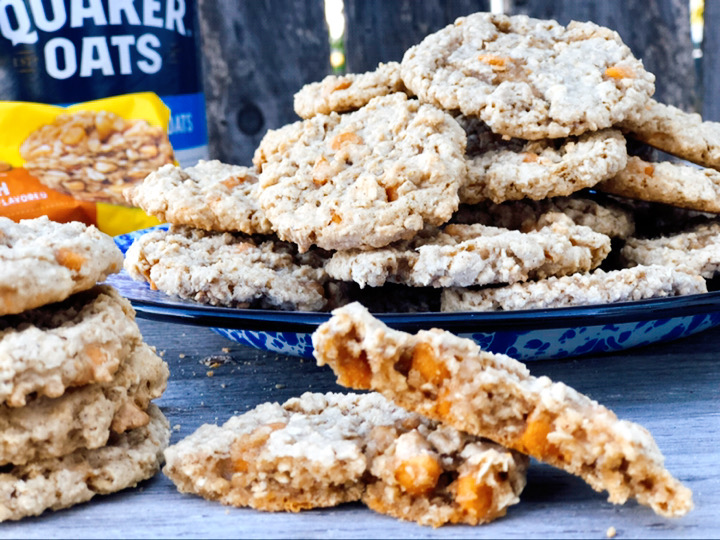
[(222, 385), (176, 427), (216, 360), (210, 373), (611, 532), (226, 350), (279, 386), (181, 355)]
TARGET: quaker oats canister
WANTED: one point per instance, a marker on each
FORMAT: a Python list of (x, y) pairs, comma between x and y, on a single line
[(68, 51), (95, 95)]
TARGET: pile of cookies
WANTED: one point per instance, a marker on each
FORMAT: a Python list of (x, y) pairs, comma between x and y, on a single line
[(76, 378), (489, 170), (445, 437)]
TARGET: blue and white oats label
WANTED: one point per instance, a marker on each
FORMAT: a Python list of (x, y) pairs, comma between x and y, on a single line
[(69, 51)]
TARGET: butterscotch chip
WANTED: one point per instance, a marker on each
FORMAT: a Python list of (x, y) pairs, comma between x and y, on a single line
[(606, 218), (84, 416), (344, 93), (434, 474), (227, 270), (79, 341), (42, 261), (211, 195), (127, 459), (598, 287), (321, 450), (695, 250), (450, 379), (676, 132), (465, 255), (544, 168), (362, 179), (529, 78), (666, 182), (94, 155)]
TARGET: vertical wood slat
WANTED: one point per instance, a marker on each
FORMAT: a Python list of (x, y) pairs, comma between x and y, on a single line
[(256, 55), (382, 30), (711, 62), (657, 31)]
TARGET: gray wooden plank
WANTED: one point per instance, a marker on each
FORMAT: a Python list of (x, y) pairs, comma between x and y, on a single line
[(381, 31), (670, 388), (256, 55)]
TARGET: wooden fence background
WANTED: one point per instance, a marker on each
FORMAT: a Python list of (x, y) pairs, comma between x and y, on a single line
[(257, 53)]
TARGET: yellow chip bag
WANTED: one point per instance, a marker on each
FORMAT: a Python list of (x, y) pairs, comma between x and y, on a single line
[(73, 163)]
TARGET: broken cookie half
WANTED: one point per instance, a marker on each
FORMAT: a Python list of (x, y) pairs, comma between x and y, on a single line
[(450, 379), (320, 450)]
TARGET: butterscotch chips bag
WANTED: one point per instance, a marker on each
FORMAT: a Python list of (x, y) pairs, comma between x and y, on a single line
[(72, 163)]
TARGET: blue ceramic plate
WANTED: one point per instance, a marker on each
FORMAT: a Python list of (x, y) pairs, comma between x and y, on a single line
[(526, 334)]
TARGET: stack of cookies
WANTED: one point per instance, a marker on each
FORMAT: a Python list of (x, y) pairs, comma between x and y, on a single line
[(445, 437), (489, 170), (76, 378)]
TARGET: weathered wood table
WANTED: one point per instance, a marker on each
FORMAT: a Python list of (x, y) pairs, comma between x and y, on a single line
[(673, 389)]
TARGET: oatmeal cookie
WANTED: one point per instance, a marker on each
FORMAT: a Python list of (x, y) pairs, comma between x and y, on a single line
[(695, 250), (321, 450), (55, 483), (450, 379), (607, 217), (79, 341), (84, 416), (676, 132), (598, 287), (362, 179), (94, 155), (465, 255), (227, 270), (666, 182), (211, 195), (544, 168), (42, 261), (305, 453), (529, 78), (344, 93)]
